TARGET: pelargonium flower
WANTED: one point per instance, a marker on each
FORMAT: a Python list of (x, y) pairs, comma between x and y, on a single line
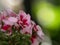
[(10, 21), (21, 23), (7, 13), (35, 41), (7, 28), (27, 30), (24, 19), (40, 32)]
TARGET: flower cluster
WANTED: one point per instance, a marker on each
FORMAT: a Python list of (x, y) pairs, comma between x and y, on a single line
[(11, 22)]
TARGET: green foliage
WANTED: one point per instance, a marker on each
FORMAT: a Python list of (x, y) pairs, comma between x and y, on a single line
[(15, 39)]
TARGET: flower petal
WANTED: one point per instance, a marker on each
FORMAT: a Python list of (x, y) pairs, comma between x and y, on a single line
[(36, 42), (40, 32), (13, 19)]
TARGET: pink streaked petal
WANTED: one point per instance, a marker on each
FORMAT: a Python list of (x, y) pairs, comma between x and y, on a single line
[(28, 19), (36, 42), (27, 29), (24, 21), (21, 17), (35, 28), (40, 32)]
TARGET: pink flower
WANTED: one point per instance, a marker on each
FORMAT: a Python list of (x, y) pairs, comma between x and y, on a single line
[(40, 32), (34, 26), (27, 30), (24, 19), (35, 40), (21, 22), (10, 21), (13, 19), (32, 38), (7, 13), (6, 27)]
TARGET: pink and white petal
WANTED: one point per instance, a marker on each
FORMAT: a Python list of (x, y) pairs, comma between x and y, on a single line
[(7, 22), (40, 32), (28, 19), (12, 19), (27, 29)]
